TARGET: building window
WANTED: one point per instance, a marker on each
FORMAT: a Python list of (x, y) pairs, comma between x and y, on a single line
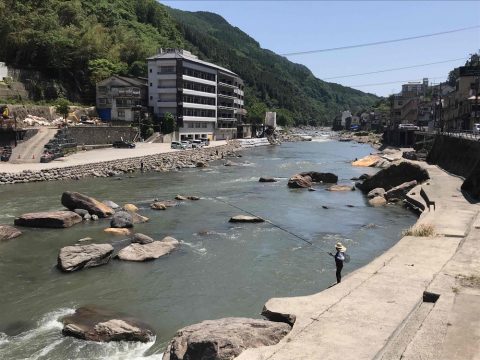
[(102, 89), (150, 72), (190, 125), (167, 70), (121, 113), (204, 125), (102, 101), (151, 97)]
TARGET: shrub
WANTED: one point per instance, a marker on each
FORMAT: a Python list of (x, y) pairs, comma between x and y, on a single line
[(423, 230)]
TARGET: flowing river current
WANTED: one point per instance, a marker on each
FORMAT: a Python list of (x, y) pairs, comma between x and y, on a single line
[(220, 270)]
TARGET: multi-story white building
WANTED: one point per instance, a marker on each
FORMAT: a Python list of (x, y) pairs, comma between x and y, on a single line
[(206, 100)]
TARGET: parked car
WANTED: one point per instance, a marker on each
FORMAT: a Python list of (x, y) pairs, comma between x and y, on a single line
[(408, 127), (177, 145), (187, 144), (476, 128), (123, 144), (205, 141), (197, 144)]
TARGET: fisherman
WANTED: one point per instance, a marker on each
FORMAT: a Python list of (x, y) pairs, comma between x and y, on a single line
[(339, 259), (141, 166)]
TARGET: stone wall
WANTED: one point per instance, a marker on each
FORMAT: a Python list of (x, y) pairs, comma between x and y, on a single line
[(94, 135), (158, 162), (458, 156)]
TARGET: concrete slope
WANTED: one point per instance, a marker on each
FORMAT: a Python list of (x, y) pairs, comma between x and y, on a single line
[(31, 150), (378, 311)]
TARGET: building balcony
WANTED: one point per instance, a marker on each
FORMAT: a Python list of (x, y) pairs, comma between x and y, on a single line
[(226, 107), (227, 96), (199, 93), (231, 86), (199, 80), (199, 118), (198, 106), (232, 119)]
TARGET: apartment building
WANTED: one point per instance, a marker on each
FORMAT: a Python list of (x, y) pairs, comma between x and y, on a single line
[(117, 95), (206, 100)]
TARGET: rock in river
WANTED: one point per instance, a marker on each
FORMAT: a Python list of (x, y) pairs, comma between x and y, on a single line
[(149, 251), (130, 208), (377, 201), (141, 239), (118, 231), (8, 232), (75, 200), (122, 219), (394, 176), (299, 181), (376, 192), (96, 324), (399, 192), (224, 339), (341, 188), (246, 219), (111, 204), (49, 219), (267, 179), (73, 258)]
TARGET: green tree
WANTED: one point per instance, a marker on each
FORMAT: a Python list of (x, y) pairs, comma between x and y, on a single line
[(168, 123), (101, 69), (256, 113), (62, 107)]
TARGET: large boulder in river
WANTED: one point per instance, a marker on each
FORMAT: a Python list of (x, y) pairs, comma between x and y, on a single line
[(96, 324), (49, 219), (376, 192), (122, 219), (377, 201), (111, 204), (394, 176), (299, 181), (399, 192), (224, 339), (319, 177), (73, 258), (367, 161), (8, 232), (75, 200), (149, 251), (341, 188)]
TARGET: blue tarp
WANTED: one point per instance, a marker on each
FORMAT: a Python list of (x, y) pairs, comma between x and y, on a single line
[(105, 114)]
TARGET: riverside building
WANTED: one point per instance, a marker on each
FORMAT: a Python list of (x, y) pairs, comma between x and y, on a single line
[(206, 100)]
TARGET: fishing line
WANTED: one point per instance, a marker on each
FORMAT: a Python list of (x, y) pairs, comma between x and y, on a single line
[(268, 221)]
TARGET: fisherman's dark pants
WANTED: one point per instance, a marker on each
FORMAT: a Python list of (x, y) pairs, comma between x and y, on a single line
[(339, 265)]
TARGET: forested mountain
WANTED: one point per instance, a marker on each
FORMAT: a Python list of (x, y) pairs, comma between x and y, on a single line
[(79, 42)]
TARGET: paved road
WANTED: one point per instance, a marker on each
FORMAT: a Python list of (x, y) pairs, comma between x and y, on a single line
[(95, 156), (31, 150)]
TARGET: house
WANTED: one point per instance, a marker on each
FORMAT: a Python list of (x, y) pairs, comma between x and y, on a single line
[(206, 100), (117, 95)]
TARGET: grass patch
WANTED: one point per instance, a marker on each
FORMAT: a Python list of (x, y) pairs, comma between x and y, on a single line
[(422, 230)]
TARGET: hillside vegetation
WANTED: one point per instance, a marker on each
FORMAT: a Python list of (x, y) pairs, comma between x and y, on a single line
[(79, 42)]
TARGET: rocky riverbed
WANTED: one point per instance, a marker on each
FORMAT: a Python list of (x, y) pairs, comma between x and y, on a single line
[(158, 162)]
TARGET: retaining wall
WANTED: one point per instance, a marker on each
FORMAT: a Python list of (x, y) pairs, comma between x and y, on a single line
[(458, 156), (96, 135)]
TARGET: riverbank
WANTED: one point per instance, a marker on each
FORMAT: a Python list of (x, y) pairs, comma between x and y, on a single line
[(420, 299), (112, 162)]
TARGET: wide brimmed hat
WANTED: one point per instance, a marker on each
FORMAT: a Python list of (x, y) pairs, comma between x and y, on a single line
[(340, 247)]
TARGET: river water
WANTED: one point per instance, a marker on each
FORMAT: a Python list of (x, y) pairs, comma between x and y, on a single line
[(220, 270)]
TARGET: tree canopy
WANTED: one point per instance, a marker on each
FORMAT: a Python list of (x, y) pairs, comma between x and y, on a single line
[(79, 42)]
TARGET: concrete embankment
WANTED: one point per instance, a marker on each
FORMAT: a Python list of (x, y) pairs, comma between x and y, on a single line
[(153, 162), (409, 303), (460, 156)]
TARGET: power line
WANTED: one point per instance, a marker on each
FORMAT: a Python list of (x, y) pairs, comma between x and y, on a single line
[(393, 69), (380, 42), (396, 82)]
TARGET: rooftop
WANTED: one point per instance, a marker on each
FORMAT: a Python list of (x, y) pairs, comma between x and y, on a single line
[(186, 55)]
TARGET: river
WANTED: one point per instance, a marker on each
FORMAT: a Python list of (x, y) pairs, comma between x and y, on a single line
[(220, 270)]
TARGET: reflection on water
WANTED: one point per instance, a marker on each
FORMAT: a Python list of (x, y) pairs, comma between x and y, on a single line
[(221, 269)]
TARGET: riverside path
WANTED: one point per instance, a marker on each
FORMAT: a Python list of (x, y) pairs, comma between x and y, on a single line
[(384, 310)]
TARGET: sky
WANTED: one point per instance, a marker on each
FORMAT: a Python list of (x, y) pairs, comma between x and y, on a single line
[(293, 26)]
